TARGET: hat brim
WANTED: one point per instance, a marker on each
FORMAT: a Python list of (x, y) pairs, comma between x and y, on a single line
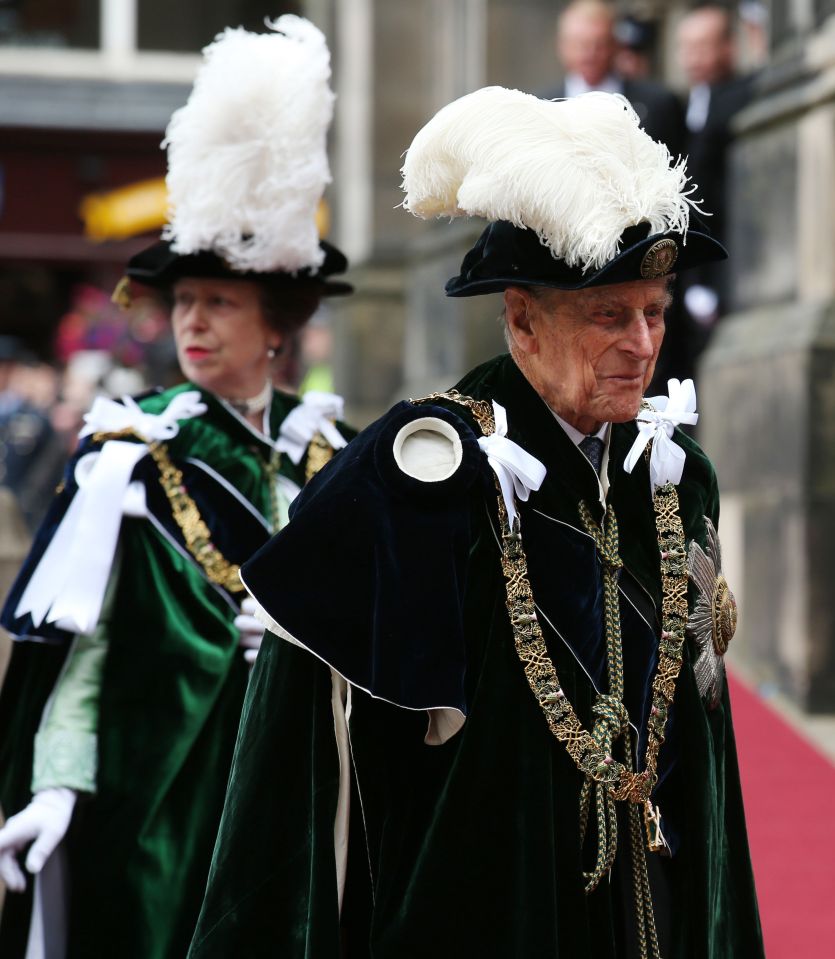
[(159, 266), (506, 255)]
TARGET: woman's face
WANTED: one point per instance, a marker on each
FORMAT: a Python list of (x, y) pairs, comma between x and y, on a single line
[(222, 335)]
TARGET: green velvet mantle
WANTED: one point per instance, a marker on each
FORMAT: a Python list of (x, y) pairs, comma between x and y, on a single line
[(172, 691), (472, 848)]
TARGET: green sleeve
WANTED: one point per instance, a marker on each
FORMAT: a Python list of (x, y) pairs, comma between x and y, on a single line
[(66, 744)]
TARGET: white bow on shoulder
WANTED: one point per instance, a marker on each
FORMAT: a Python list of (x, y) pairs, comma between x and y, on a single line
[(69, 583), (666, 462), (517, 471), (108, 416), (315, 414)]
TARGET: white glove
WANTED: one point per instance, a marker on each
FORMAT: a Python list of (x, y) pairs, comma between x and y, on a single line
[(44, 823), (250, 631)]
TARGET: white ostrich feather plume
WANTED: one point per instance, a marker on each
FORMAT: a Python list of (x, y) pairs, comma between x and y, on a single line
[(578, 172), (247, 163)]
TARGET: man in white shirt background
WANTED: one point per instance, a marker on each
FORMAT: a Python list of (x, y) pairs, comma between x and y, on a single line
[(707, 54), (587, 47)]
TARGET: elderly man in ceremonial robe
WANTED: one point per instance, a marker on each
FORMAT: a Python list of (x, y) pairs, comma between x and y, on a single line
[(504, 728)]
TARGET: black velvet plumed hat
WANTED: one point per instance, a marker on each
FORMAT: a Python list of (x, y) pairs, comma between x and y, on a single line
[(159, 266), (507, 255), (576, 193)]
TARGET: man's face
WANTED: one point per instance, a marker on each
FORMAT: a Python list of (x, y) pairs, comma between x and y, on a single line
[(705, 48), (586, 45), (590, 354)]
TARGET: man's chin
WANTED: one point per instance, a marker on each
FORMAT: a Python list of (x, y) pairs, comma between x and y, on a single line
[(624, 411)]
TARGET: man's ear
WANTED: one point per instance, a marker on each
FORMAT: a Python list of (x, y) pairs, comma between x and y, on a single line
[(519, 311)]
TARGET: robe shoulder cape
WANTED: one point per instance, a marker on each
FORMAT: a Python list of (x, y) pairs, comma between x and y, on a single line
[(471, 847), (171, 695)]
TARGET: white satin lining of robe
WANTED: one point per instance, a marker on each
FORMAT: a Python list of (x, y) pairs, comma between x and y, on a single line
[(428, 449), (341, 706)]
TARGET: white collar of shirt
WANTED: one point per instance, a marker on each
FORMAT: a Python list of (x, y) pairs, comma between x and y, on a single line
[(576, 437), (698, 105), (575, 85)]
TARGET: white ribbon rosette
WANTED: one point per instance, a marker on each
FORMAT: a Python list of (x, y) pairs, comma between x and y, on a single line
[(666, 462), (108, 416), (68, 585), (518, 472), (315, 414)]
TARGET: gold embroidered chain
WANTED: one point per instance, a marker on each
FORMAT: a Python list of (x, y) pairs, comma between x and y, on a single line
[(319, 454), (482, 410), (197, 535)]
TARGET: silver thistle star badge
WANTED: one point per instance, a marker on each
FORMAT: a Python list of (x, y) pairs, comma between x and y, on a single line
[(712, 623)]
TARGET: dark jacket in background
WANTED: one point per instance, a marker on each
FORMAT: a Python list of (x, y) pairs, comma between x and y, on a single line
[(707, 164), (660, 111)]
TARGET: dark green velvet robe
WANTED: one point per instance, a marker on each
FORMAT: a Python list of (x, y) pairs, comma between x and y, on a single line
[(171, 696), (470, 848)]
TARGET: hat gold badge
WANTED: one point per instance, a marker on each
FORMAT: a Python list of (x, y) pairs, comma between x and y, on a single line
[(659, 259)]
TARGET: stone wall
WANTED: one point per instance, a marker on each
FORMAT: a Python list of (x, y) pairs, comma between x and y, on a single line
[(767, 382), (395, 65)]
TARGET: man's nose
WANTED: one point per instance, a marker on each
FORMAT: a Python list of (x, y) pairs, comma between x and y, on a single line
[(638, 341)]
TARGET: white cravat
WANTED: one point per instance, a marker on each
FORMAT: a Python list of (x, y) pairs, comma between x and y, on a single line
[(575, 85)]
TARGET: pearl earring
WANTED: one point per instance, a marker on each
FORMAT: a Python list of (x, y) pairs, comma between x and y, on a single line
[(271, 353)]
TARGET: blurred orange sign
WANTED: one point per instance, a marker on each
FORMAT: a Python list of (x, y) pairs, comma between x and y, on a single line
[(143, 207), (118, 214)]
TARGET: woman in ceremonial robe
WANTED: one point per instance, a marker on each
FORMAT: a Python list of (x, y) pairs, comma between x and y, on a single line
[(121, 707)]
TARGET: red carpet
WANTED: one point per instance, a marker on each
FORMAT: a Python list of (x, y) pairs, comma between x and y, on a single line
[(789, 790)]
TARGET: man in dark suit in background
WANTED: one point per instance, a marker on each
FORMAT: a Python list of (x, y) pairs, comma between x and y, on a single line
[(586, 46), (707, 53)]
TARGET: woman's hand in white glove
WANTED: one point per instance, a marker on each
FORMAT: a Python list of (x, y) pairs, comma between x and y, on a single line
[(44, 823), (250, 631)]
